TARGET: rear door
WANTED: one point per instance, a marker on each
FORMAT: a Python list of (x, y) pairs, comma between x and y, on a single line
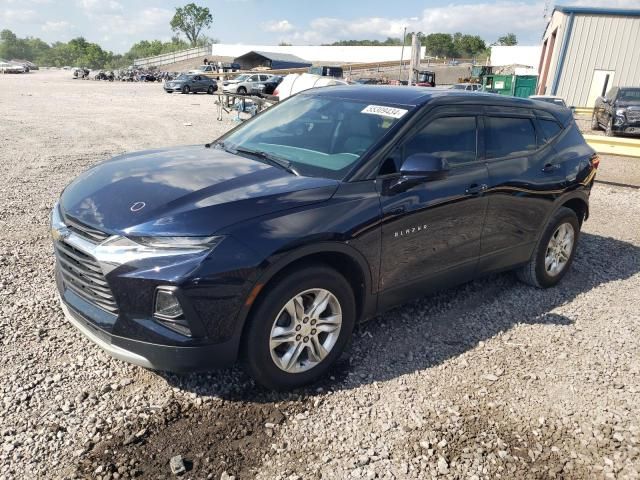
[(431, 232), (524, 178)]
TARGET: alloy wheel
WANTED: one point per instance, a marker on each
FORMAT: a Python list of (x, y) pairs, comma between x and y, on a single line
[(305, 330), (559, 249)]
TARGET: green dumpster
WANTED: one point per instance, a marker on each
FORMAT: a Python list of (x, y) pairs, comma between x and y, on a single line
[(513, 85)]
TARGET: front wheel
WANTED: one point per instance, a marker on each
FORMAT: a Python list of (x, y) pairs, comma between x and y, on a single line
[(299, 328), (185, 89), (554, 251), (609, 131), (242, 91), (594, 122)]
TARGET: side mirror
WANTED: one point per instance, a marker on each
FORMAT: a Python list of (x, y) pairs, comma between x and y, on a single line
[(416, 169), (424, 166)]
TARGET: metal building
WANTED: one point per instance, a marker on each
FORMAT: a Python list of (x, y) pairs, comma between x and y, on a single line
[(271, 60), (586, 51)]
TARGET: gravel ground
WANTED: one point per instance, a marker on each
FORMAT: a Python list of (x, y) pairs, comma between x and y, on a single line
[(489, 380)]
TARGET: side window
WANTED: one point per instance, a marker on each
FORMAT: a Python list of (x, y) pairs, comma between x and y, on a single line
[(549, 128), (509, 136), (452, 138), (197, 77), (263, 78), (254, 78)]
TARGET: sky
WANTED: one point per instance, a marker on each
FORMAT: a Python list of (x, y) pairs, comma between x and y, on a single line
[(117, 24)]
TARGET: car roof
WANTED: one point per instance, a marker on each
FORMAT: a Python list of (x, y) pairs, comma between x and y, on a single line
[(420, 96)]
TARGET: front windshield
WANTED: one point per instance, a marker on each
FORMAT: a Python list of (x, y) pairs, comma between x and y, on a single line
[(242, 78), (183, 76), (629, 95), (319, 136), (459, 87)]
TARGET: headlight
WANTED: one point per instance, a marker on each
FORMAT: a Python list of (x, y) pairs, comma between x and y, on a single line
[(119, 250), (620, 112)]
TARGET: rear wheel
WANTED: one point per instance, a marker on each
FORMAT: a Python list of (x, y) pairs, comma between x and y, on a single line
[(554, 252), (594, 122), (299, 328), (186, 89), (210, 90)]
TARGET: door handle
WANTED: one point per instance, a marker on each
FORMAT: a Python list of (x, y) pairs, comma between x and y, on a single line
[(550, 167), (475, 189)]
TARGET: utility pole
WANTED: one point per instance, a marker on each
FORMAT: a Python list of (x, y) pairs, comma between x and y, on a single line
[(414, 64), (404, 36)]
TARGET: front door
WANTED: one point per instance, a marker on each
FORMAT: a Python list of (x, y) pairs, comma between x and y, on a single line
[(431, 232), (601, 83)]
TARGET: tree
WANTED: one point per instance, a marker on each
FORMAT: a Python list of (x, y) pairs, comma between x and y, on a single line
[(439, 44), (509, 39), (190, 20), (468, 45)]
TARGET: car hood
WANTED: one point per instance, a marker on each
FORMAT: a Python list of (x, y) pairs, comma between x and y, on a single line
[(185, 191)]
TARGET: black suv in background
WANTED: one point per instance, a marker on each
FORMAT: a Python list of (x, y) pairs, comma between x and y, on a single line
[(272, 242), (618, 112)]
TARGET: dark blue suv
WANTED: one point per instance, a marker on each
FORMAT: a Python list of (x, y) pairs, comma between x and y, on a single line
[(270, 243)]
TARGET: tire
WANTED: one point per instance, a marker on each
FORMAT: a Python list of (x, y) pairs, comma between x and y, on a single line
[(265, 357), (210, 90), (537, 273), (242, 91), (609, 131), (186, 89), (594, 122)]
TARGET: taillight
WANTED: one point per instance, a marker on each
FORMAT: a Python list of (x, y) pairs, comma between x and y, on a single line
[(595, 160), (276, 93)]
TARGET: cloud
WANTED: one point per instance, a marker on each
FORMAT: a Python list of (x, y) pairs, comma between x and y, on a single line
[(476, 18), (55, 26), (278, 26), (100, 6), (11, 17)]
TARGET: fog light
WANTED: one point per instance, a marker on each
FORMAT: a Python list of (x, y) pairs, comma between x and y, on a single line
[(169, 313), (167, 305)]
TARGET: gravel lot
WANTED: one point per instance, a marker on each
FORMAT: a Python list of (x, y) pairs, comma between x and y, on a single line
[(490, 380)]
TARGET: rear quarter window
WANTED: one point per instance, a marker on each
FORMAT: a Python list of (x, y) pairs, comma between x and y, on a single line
[(550, 129), (507, 136)]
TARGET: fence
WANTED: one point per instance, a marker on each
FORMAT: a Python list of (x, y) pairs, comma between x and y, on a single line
[(173, 57)]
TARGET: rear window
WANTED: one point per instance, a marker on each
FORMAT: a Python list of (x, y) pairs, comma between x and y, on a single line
[(509, 136)]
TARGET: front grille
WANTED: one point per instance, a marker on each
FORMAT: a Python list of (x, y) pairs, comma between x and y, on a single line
[(82, 274), (633, 116), (86, 232)]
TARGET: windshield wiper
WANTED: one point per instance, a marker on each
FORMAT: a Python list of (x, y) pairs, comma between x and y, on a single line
[(268, 157)]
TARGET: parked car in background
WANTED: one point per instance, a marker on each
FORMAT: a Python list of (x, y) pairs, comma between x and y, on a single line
[(245, 84), (271, 84), (11, 67), (327, 71), (25, 63), (618, 112), (298, 82), (470, 87), (272, 242), (191, 83), (205, 69), (549, 99)]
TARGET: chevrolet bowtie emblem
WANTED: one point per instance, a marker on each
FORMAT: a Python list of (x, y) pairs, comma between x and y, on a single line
[(136, 207)]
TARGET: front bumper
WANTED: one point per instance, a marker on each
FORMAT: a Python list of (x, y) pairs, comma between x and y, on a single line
[(151, 355)]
